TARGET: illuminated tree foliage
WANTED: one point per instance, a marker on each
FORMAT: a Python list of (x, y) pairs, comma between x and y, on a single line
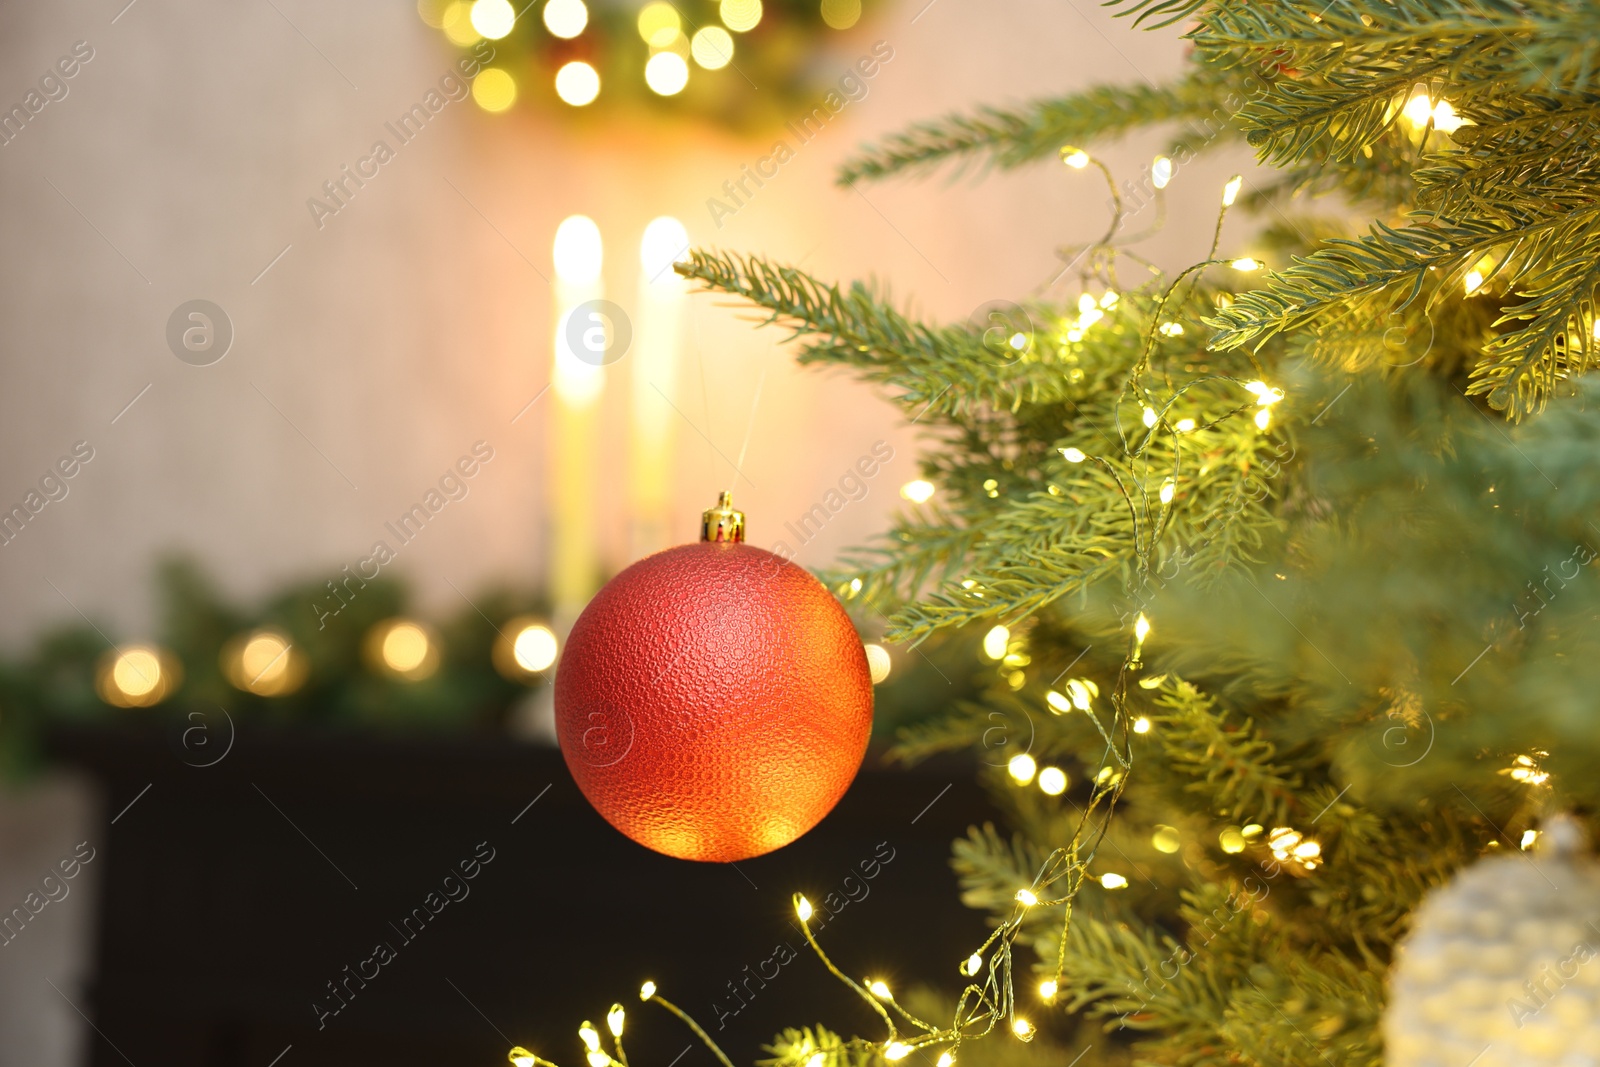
[(1286, 572)]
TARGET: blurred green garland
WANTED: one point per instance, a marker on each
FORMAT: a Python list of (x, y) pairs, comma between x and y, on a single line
[(332, 677)]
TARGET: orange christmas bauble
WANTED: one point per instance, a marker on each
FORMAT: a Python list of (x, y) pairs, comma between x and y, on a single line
[(713, 701)]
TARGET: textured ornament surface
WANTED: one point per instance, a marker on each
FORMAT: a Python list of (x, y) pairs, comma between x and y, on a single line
[(1501, 969), (713, 702)]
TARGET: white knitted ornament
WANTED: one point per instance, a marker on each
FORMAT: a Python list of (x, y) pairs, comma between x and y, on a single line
[(1502, 966)]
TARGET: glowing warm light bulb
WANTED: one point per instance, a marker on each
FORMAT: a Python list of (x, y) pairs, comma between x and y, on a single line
[(647, 991), (577, 83), (740, 16), (918, 492), (1184, 425), (1141, 628), (1058, 703), (1021, 768), (1528, 838), (1171, 329), (614, 1020), (1169, 489), (879, 989), (995, 642), (1073, 455), (494, 89), (521, 1057), (1149, 416), (493, 18), (1473, 281), (802, 907), (1161, 172), (1263, 418), (565, 18), (1230, 192), (1231, 840), (1166, 839), (1047, 989), (817, 1060), (1141, 725), (1053, 781), (666, 73), (597, 1058), (973, 965), (878, 663), (1076, 158), (945, 1059), (896, 1051), (590, 1036), (1022, 1028), (1246, 264), (1027, 898), (1113, 881), (712, 47)]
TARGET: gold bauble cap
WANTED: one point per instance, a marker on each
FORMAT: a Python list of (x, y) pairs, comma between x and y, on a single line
[(722, 523)]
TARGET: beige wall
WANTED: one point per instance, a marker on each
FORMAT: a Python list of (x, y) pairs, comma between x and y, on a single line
[(406, 327)]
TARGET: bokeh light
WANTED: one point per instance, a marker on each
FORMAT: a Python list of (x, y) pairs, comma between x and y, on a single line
[(577, 83), (263, 662), (666, 73), (578, 251), (659, 24), (525, 649), (664, 243), (740, 16), (712, 47), (432, 12), (841, 14), (137, 676), (457, 24), (494, 18), (494, 89), (404, 649), (566, 18)]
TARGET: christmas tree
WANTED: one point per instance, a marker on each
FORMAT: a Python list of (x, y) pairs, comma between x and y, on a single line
[(1286, 571)]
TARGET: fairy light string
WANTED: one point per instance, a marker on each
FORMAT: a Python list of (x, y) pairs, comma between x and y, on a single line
[(1149, 484)]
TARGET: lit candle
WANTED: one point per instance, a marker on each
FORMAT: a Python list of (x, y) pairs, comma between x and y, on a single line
[(652, 424), (577, 375)]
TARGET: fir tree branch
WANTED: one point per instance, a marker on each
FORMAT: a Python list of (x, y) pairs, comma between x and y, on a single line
[(1014, 137)]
